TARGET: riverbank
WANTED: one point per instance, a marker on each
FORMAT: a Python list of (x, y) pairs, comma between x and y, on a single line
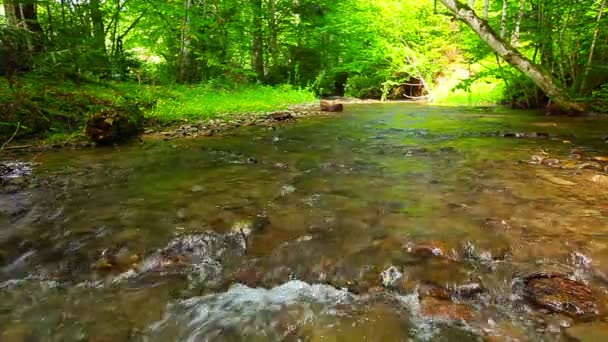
[(55, 113)]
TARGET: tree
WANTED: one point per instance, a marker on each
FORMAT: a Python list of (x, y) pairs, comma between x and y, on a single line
[(543, 79)]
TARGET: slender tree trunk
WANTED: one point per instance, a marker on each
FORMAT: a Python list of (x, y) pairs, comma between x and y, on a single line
[(274, 34), (503, 19), (184, 57), (24, 14), (512, 56), (98, 29), (257, 46), (516, 31), (545, 22), (486, 9), (592, 48)]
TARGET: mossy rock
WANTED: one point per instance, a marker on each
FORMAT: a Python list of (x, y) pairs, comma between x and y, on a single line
[(115, 124)]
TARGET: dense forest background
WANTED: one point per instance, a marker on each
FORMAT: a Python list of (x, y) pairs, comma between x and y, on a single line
[(384, 49)]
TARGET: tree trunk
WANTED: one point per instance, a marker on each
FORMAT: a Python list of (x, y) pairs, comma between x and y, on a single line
[(539, 76), (274, 33), (592, 48), (503, 19), (257, 46), (516, 31), (98, 29), (184, 56), (24, 14)]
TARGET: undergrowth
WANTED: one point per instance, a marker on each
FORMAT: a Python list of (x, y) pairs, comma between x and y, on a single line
[(59, 110)]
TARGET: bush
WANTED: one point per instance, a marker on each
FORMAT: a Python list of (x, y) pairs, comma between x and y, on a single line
[(600, 99), (365, 87)]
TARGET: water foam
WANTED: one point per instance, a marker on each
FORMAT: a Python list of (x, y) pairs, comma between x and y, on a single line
[(249, 310)]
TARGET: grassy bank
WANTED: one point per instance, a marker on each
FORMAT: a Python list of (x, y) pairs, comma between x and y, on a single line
[(54, 110)]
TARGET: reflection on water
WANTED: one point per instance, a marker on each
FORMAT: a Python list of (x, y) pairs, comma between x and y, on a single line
[(284, 234)]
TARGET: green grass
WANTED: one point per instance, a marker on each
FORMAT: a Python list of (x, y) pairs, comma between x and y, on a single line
[(200, 102), (486, 92), (56, 109), (482, 93)]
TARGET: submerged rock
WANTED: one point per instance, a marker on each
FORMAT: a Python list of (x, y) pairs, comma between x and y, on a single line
[(558, 293), (445, 310), (200, 256), (465, 291), (13, 171)]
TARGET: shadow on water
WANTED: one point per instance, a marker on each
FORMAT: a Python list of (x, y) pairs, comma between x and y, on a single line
[(284, 234)]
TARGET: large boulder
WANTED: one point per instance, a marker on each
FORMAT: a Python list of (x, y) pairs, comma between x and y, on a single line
[(116, 124)]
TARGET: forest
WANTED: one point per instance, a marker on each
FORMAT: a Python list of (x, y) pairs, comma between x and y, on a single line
[(64, 60)]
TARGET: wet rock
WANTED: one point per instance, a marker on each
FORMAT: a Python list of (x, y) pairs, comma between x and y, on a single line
[(426, 251), (391, 276), (280, 116), (249, 277), (580, 260), (467, 291), (200, 256), (558, 293), (600, 159), (462, 292), (435, 291), (445, 310), (14, 172), (328, 106)]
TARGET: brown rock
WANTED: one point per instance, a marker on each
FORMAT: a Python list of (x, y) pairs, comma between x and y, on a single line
[(434, 290), (600, 159), (557, 293), (280, 116), (249, 277), (328, 106), (426, 251), (445, 310)]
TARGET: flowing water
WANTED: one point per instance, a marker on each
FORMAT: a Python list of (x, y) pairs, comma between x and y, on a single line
[(264, 235)]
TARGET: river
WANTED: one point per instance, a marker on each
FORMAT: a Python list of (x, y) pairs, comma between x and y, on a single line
[(388, 222)]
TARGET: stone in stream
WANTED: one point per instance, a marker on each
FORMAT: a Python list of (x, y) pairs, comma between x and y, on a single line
[(200, 256), (329, 106), (461, 292), (557, 293), (445, 310), (280, 116)]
